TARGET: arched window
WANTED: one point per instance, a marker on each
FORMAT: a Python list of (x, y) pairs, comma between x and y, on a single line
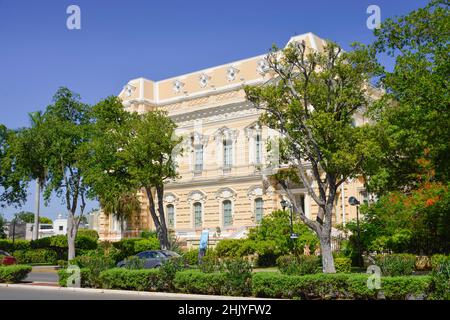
[(259, 209), (170, 215), (197, 215), (227, 214)]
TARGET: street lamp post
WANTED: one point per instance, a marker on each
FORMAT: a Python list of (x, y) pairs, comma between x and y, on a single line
[(286, 204), (354, 202)]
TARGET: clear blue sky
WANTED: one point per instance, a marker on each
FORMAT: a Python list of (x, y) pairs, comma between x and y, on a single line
[(122, 40)]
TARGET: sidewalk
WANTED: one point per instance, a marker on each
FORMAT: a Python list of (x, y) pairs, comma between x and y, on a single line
[(155, 295)]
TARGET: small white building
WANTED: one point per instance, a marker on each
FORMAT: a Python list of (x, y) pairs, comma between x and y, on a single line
[(60, 226)]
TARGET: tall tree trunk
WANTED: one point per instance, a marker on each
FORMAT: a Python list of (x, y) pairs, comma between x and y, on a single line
[(326, 252), (37, 210), (325, 236), (162, 236), (162, 217), (72, 227)]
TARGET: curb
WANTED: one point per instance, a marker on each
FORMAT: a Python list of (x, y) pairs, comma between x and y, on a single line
[(128, 292)]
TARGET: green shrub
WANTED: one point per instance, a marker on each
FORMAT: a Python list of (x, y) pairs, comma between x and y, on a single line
[(191, 257), (343, 264), (197, 282), (85, 242), (95, 265), (267, 252), (131, 246), (211, 262), (149, 234), (64, 274), (107, 249), (437, 260), (441, 278), (229, 247), (89, 233), (401, 264), (299, 265), (36, 256), (141, 280), (336, 286), (7, 245), (14, 273), (134, 263), (146, 244), (168, 271), (60, 242), (62, 263), (239, 277)]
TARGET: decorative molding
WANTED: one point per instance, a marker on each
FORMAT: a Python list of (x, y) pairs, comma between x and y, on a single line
[(177, 86), (262, 66), (255, 192), (225, 133), (226, 194), (129, 89), (170, 198), (196, 196), (231, 73), (203, 80)]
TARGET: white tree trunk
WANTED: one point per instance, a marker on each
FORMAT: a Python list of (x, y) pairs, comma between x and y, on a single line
[(327, 254), (37, 210), (71, 234)]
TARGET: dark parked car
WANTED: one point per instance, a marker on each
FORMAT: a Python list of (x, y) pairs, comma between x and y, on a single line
[(6, 258), (152, 258)]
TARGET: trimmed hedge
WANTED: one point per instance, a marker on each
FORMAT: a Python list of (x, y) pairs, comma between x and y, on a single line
[(343, 264), (63, 276), (14, 273), (7, 245), (263, 284), (126, 279), (131, 246), (36, 256), (337, 286), (400, 264), (197, 282), (89, 233), (299, 265), (191, 257), (60, 243)]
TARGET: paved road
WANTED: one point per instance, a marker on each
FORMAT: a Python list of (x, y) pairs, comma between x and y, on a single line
[(34, 293), (42, 277)]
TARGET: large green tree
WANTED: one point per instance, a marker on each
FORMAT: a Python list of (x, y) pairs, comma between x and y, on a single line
[(107, 170), (67, 128), (311, 102), (415, 123), (130, 153)]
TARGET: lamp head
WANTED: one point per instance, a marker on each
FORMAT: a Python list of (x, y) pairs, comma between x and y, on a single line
[(353, 201)]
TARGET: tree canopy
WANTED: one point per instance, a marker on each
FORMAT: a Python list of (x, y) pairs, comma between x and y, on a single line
[(312, 101), (413, 120)]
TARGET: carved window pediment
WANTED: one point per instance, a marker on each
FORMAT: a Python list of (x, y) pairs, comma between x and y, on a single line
[(255, 192), (226, 194), (196, 196), (170, 198)]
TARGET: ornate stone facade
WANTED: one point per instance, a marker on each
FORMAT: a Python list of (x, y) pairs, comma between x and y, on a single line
[(222, 171)]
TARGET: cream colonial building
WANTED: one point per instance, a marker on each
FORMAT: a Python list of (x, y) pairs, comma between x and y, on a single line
[(222, 170)]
